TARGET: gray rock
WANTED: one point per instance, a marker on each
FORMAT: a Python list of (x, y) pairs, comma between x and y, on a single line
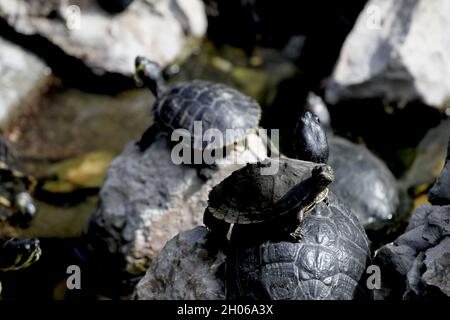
[(440, 192), (146, 200), (105, 43), (184, 270), (397, 50), (23, 77), (414, 283), (437, 263), (418, 260)]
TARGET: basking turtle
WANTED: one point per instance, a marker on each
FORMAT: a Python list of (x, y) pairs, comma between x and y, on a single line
[(291, 239), (255, 194), (362, 180), (16, 203), (16, 209), (214, 105)]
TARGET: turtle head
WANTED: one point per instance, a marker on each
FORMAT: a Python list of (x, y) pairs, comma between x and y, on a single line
[(19, 253), (323, 175), (149, 73), (310, 139)]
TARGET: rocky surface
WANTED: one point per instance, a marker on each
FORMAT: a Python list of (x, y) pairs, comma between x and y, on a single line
[(81, 40), (146, 200), (417, 263), (398, 50), (184, 270), (23, 77)]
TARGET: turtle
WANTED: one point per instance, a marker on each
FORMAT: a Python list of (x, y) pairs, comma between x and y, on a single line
[(16, 209), (329, 263), (214, 105), (362, 180), (291, 237), (16, 203), (252, 195)]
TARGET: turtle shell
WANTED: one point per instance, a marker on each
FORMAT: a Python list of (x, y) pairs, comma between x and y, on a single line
[(363, 182), (216, 105), (250, 196), (328, 263)]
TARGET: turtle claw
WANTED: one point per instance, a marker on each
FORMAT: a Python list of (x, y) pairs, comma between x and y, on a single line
[(298, 234)]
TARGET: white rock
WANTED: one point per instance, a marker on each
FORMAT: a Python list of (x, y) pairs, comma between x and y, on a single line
[(23, 75), (105, 42), (398, 50)]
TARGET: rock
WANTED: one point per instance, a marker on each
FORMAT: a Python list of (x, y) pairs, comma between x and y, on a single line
[(440, 192), (89, 47), (146, 200), (184, 270), (23, 78), (437, 264), (397, 50), (417, 264), (429, 160)]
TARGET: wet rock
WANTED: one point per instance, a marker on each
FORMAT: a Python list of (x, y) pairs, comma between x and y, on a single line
[(89, 47), (23, 77), (184, 270), (146, 200), (429, 160), (440, 193), (398, 50), (437, 264), (416, 265)]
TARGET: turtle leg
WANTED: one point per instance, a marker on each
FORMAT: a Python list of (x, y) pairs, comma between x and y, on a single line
[(298, 233), (218, 231), (148, 137), (205, 172)]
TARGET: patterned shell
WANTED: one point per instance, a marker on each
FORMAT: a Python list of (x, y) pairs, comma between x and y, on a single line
[(250, 196), (218, 107), (328, 263)]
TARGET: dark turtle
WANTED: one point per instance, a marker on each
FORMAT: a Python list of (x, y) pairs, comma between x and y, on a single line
[(216, 105), (16, 209), (18, 253), (250, 196), (362, 180), (289, 239), (16, 203), (329, 262)]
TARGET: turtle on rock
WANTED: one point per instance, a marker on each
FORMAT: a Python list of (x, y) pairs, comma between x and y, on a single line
[(216, 106), (362, 180), (16, 209), (291, 238)]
